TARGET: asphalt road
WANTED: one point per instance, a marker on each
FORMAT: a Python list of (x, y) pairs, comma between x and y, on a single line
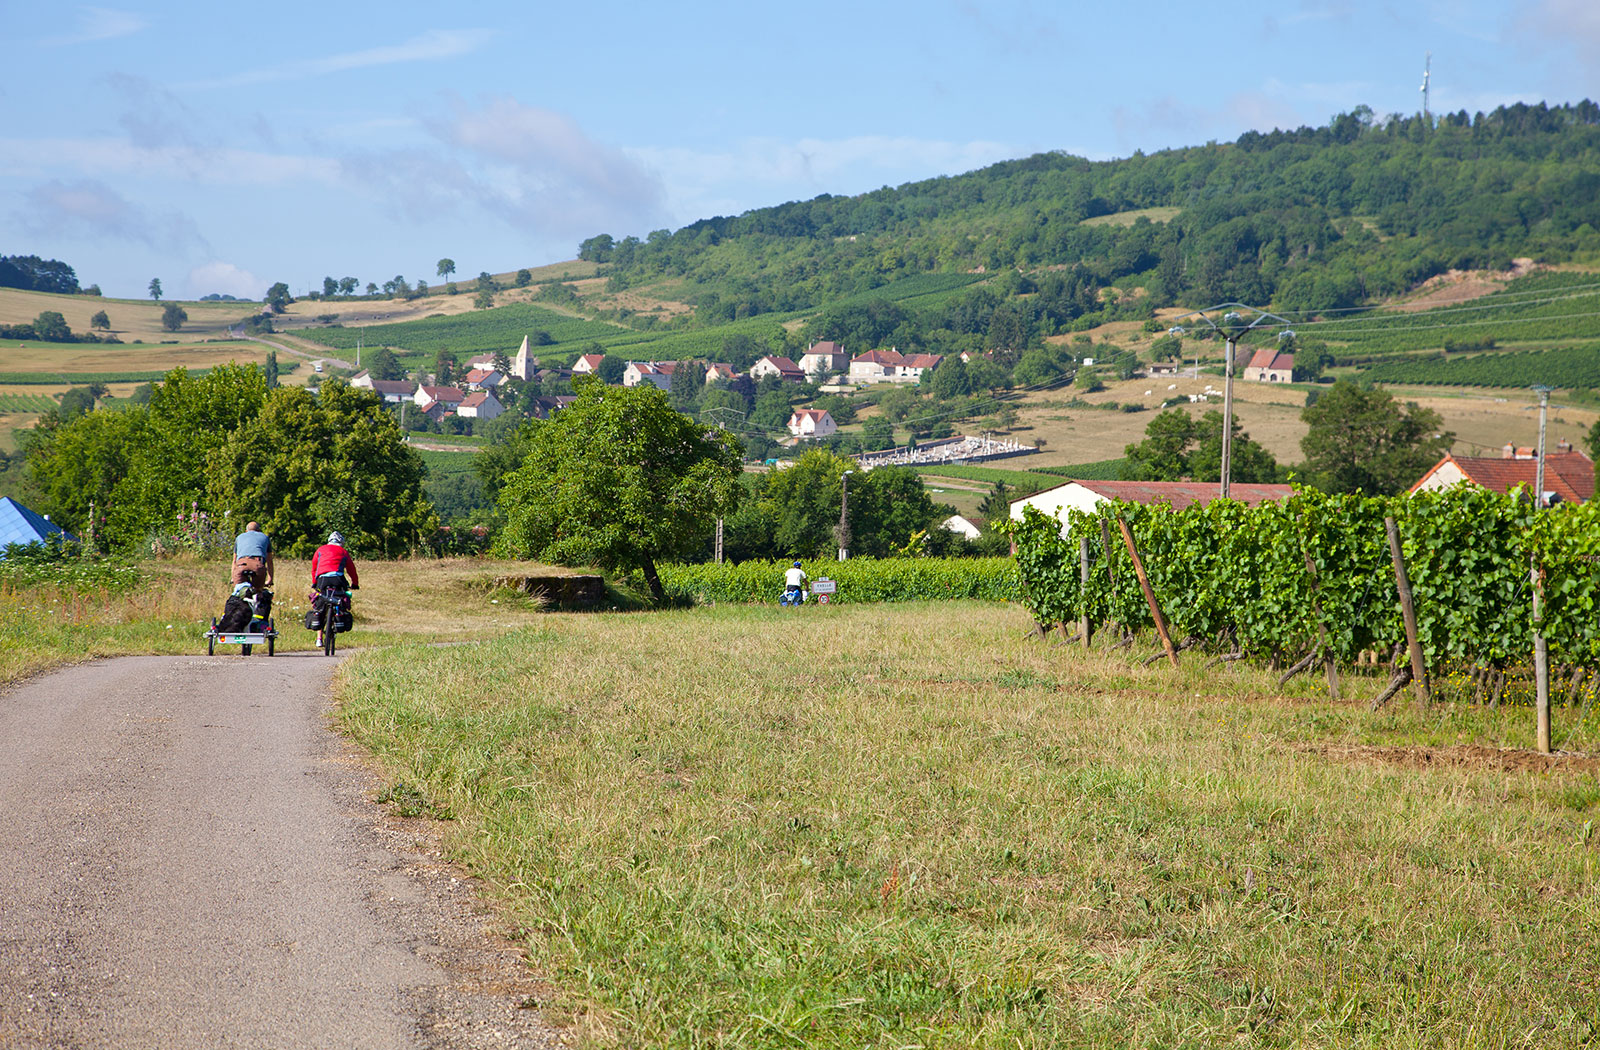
[(189, 858)]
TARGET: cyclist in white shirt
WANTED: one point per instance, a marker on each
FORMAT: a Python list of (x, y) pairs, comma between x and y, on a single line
[(794, 584)]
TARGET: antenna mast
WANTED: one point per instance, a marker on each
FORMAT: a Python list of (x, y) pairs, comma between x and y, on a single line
[(1427, 73)]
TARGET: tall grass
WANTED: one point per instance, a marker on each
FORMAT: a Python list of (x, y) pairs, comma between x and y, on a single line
[(904, 826)]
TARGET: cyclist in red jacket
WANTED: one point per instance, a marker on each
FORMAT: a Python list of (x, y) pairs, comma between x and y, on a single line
[(333, 564)]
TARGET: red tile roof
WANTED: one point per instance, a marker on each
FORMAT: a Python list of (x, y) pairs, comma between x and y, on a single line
[(879, 357), (475, 399), (1570, 475), (1269, 357), (1181, 494), (444, 393), (921, 360)]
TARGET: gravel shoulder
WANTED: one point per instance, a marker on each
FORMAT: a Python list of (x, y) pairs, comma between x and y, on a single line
[(192, 859)]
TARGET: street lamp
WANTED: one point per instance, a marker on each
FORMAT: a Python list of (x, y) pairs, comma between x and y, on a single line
[(842, 533), (1235, 325)]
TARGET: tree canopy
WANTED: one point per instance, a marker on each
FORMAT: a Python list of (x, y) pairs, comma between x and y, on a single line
[(1179, 447), (1363, 440), (618, 480)]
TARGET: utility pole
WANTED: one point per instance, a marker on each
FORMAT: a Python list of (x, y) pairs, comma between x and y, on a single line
[(844, 515), (1541, 648), (1232, 329)]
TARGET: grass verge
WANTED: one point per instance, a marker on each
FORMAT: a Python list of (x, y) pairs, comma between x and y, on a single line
[(904, 825)]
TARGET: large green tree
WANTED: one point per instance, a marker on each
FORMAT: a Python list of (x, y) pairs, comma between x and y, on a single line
[(307, 464), (1363, 440), (173, 316), (155, 288), (1179, 447), (51, 326), (619, 480), (446, 267)]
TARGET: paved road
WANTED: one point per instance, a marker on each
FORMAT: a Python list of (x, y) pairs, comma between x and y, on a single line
[(188, 860), (238, 333)]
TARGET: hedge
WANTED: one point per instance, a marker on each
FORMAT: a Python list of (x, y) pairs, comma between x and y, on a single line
[(859, 580)]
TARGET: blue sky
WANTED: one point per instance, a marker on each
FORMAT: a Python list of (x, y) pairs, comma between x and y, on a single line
[(224, 147)]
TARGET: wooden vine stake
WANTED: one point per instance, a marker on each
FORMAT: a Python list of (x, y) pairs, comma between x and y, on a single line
[(1328, 662), (1085, 625), (1408, 612), (1149, 594)]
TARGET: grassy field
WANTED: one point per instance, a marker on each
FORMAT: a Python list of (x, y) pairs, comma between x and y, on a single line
[(956, 837), (70, 359), (171, 606), (1128, 218), (130, 318)]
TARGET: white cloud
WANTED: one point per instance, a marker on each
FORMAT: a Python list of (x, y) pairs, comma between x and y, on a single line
[(99, 23), (89, 208), (532, 168), (224, 278), (430, 46)]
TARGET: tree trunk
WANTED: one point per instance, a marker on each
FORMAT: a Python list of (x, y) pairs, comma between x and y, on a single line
[(653, 578)]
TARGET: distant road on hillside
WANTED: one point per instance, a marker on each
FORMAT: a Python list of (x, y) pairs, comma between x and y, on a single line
[(238, 333)]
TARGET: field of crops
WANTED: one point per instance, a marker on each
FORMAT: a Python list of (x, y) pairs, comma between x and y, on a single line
[(1539, 308), (1099, 470), (84, 378), (928, 287), (1569, 368), (26, 403)]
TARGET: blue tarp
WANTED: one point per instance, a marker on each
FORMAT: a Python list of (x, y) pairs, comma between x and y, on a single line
[(18, 524)]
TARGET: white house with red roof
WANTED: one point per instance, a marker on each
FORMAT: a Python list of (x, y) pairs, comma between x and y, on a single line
[(717, 370), (449, 398), (1269, 366), (1568, 475), (824, 358), (1060, 501), (587, 364), (812, 423), (913, 365), (656, 373), (480, 404), (782, 367), (483, 379), (875, 366)]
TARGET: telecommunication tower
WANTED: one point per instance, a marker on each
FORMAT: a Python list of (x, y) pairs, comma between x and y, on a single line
[(1427, 73)]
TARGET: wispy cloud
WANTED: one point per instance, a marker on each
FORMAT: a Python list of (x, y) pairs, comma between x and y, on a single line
[(90, 208), (532, 168), (99, 23), (431, 46), (42, 158), (224, 278)]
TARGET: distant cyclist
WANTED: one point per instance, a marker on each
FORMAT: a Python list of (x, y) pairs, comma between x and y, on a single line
[(332, 566), (794, 585)]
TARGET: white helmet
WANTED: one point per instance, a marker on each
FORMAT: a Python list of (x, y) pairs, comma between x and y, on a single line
[(336, 538)]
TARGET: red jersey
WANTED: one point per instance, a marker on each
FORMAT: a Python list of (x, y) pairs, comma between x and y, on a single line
[(331, 557)]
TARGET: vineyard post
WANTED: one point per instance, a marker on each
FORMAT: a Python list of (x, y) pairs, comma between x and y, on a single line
[(1085, 625), (1149, 594), (1541, 649), (1328, 662), (1408, 612)]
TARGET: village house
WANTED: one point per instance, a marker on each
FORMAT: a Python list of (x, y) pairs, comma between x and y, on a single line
[(448, 398), (1568, 475), (782, 367), (913, 365), (824, 359), (812, 423), (481, 404), (483, 379), (587, 364), (656, 373), (719, 371), (392, 391), (1269, 366), (875, 366)]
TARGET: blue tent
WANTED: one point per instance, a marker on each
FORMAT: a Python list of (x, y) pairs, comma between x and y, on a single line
[(18, 524)]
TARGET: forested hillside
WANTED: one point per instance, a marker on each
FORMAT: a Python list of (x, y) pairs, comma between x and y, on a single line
[(1307, 220)]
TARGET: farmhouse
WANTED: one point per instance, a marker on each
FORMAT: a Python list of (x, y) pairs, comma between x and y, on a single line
[(587, 364), (824, 358), (483, 379), (1269, 366), (449, 398), (656, 373), (481, 404), (811, 423), (781, 367), (875, 366), (392, 391), (717, 371), (1568, 475), (1060, 501)]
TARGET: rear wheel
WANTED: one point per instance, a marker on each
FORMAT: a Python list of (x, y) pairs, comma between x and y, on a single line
[(330, 625)]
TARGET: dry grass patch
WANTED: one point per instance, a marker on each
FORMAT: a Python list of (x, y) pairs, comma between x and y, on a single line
[(130, 318), (893, 826)]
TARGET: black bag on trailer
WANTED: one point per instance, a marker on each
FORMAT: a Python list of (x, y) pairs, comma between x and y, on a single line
[(235, 615)]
